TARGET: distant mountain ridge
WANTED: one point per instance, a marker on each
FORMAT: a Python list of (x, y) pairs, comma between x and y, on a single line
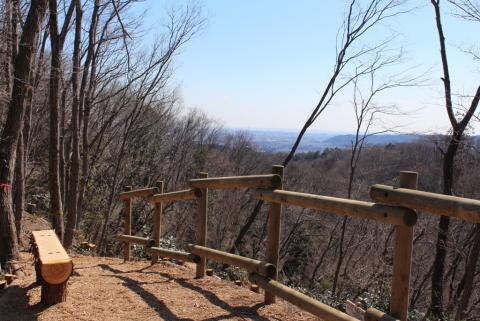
[(381, 139), (274, 141)]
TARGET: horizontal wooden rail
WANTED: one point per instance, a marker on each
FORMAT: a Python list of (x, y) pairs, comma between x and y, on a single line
[(340, 206), (373, 314), (252, 181), (171, 254), (136, 239), (301, 300), (249, 264), (188, 194), (437, 204), (137, 193)]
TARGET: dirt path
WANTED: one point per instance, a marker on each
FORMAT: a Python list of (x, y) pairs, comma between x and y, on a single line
[(108, 289)]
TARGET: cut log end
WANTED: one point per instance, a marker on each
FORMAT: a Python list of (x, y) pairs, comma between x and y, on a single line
[(56, 273)]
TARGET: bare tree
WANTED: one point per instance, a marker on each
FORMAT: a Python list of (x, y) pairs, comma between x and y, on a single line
[(13, 126), (57, 40), (72, 198), (359, 20), (458, 127), (367, 111)]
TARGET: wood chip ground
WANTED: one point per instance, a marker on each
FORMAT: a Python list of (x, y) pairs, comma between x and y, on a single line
[(108, 289)]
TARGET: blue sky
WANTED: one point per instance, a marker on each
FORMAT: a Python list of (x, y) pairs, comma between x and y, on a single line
[(263, 64)]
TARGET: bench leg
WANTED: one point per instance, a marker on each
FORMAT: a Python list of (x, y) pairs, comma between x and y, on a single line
[(54, 293), (38, 273)]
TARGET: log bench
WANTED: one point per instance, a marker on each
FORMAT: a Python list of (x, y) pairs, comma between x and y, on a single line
[(53, 266)]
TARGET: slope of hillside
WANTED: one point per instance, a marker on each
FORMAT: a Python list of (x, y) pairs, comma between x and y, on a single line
[(108, 289)]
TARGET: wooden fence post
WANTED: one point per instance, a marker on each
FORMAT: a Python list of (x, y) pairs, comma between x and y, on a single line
[(273, 235), (202, 226), (157, 220), (128, 224), (402, 259)]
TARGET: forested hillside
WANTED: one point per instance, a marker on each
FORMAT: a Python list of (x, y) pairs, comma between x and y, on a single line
[(87, 109)]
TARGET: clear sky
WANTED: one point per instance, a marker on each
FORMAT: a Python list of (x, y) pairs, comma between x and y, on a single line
[(263, 64)]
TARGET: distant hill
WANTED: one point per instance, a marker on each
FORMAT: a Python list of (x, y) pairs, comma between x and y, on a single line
[(281, 141), (346, 140), (274, 141)]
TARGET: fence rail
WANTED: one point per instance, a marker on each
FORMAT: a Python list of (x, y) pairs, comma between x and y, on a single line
[(250, 265), (437, 204), (340, 206), (143, 192), (395, 206), (252, 181), (301, 300), (184, 195), (171, 254), (136, 239)]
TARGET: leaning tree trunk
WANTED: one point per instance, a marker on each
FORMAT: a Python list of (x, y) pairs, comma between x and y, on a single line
[(13, 125)]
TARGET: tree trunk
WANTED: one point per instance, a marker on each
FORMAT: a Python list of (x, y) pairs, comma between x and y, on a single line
[(84, 105), (56, 43), (13, 125), (75, 161), (443, 225), (469, 276), (19, 180)]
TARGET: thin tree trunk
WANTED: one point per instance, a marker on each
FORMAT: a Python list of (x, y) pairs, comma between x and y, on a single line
[(7, 67), (19, 180), (19, 176), (84, 105), (56, 42), (72, 198), (62, 165)]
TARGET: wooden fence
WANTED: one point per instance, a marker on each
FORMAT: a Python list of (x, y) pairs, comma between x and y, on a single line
[(395, 206)]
